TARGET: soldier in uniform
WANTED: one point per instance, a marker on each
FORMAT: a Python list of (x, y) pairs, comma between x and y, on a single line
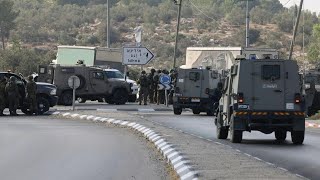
[(144, 86), (155, 83), (31, 88), (161, 93), (3, 101), (13, 95), (152, 86), (173, 76)]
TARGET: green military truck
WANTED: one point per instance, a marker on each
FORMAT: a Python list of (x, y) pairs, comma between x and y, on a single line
[(262, 95), (94, 84), (197, 89)]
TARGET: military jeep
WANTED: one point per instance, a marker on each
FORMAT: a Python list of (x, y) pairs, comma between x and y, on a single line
[(94, 84), (262, 95), (197, 89)]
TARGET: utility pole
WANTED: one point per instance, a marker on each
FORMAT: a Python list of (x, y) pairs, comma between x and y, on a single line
[(247, 25), (108, 24), (177, 31), (295, 30)]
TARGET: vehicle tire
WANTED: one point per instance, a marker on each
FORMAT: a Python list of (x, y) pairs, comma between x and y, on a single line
[(43, 105), (280, 135), (210, 113), (108, 100), (81, 100), (66, 98), (25, 108), (235, 135), (297, 137), (132, 98), (177, 111), (222, 132), (196, 111), (120, 96)]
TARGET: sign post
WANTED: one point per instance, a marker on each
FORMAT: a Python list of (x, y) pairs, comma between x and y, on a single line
[(74, 83)]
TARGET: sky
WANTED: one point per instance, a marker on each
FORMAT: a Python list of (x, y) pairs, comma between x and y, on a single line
[(312, 5)]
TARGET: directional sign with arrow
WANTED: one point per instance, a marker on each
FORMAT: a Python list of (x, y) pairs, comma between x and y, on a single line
[(136, 56)]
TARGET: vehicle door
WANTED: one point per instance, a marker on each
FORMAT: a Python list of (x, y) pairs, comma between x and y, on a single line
[(98, 82), (268, 85), (193, 87), (45, 74)]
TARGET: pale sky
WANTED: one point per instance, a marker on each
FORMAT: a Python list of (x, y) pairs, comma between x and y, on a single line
[(312, 5)]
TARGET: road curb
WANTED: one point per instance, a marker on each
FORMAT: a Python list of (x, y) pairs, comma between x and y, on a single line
[(176, 159)]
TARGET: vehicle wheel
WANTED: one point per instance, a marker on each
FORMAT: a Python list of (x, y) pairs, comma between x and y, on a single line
[(196, 111), (280, 135), (43, 105), (66, 98), (81, 100), (222, 132), (108, 100), (297, 137), (25, 108), (210, 113), (235, 135), (132, 98), (177, 111), (120, 96)]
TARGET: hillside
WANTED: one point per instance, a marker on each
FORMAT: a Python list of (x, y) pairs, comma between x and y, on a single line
[(44, 24)]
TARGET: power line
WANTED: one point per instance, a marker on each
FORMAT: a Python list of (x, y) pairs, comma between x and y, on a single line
[(286, 3), (203, 13)]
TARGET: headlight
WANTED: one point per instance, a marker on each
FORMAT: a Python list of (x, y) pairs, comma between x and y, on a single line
[(53, 92)]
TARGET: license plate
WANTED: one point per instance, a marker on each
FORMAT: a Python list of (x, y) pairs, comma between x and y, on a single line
[(195, 100)]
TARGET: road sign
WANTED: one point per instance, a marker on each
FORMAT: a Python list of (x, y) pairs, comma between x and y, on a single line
[(136, 56), (165, 86), (74, 82), (165, 79)]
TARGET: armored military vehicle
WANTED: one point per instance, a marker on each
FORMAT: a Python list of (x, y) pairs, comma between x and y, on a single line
[(94, 84), (312, 88), (46, 94), (197, 89), (262, 95)]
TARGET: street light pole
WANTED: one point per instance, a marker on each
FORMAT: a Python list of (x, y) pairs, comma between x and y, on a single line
[(295, 30), (177, 32), (108, 24)]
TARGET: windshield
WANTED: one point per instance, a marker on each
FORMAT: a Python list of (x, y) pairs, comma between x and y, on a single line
[(114, 74)]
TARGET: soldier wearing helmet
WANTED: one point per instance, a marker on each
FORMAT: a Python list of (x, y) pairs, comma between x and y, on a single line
[(144, 86), (31, 89), (3, 96), (152, 85), (13, 95)]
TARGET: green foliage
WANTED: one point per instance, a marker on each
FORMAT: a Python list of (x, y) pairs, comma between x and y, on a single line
[(7, 17)]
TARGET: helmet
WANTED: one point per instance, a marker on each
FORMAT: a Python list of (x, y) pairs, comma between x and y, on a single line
[(143, 72), (159, 71), (30, 77), (152, 70)]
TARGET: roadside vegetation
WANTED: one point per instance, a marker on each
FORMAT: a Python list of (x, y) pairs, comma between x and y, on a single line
[(30, 30)]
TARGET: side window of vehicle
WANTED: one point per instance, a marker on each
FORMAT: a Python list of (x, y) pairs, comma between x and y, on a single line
[(98, 75), (270, 72), (194, 76)]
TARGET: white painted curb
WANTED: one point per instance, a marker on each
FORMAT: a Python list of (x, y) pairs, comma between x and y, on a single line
[(178, 161)]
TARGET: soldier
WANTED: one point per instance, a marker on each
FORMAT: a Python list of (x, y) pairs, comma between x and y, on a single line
[(13, 95), (3, 100), (144, 85), (31, 88), (173, 76), (152, 86), (161, 93), (155, 83)]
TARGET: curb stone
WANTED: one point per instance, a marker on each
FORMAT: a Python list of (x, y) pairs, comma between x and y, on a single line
[(177, 160)]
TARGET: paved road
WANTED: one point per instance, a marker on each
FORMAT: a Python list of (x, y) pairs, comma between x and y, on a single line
[(40, 148), (303, 160)]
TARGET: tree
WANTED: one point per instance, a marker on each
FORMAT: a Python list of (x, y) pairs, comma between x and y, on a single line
[(7, 17)]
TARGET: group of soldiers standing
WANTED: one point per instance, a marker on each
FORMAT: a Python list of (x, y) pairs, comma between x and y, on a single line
[(149, 86), (9, 94)]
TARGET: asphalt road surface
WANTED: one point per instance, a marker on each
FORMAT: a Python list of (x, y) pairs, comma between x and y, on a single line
[(303, 160), (41, 148)]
